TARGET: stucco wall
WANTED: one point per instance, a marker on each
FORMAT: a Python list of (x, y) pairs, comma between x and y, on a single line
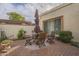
[(71, 19), (12, 30)]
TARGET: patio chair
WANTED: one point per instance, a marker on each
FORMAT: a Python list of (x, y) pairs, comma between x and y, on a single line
[(51, 37), (28, 41), (41, 39)]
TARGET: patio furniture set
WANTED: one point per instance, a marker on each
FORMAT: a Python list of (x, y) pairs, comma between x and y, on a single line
[(40, 39)]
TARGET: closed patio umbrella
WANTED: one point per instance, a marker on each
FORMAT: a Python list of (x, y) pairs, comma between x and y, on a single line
[(37, 27)]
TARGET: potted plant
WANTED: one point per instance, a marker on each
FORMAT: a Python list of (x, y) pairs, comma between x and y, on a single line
[(1, 48), (6, 44)]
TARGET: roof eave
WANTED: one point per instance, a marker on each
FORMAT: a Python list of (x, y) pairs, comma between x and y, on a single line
[(56, 8)]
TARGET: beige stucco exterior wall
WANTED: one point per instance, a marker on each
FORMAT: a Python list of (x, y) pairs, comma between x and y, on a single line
[(71, 19), (12, 30)]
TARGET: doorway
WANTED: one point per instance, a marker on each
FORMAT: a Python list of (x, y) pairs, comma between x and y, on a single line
[(57, 24), (54, 24)]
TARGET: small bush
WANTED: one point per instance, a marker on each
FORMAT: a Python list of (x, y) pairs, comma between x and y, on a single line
[(65, 36), (2, 36), (21, 34), (8, 42)]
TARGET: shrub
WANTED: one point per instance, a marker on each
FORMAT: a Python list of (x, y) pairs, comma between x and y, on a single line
[(65, 36), (21, 34), (8, 42), (2, 36)]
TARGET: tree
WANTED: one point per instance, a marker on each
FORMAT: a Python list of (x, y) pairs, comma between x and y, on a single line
[(15, 16)]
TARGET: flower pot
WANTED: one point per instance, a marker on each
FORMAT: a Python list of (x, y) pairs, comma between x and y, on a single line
[(6, 46), (4, 51)]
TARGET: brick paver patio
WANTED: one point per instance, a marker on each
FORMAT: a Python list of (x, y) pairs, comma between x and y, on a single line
[(57, 49)]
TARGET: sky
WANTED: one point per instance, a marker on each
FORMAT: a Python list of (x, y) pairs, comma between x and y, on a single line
[(25, 9)]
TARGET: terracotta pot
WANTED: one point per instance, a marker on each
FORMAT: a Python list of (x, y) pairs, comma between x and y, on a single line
[(4, 51), (6, 46)]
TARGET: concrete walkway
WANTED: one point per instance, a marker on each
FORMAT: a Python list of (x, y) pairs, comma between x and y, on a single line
[(57, 49)]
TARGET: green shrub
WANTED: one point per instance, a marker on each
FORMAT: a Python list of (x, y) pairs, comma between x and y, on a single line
[(8, 42), (2, 36), (65, 36), (21, 34)]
